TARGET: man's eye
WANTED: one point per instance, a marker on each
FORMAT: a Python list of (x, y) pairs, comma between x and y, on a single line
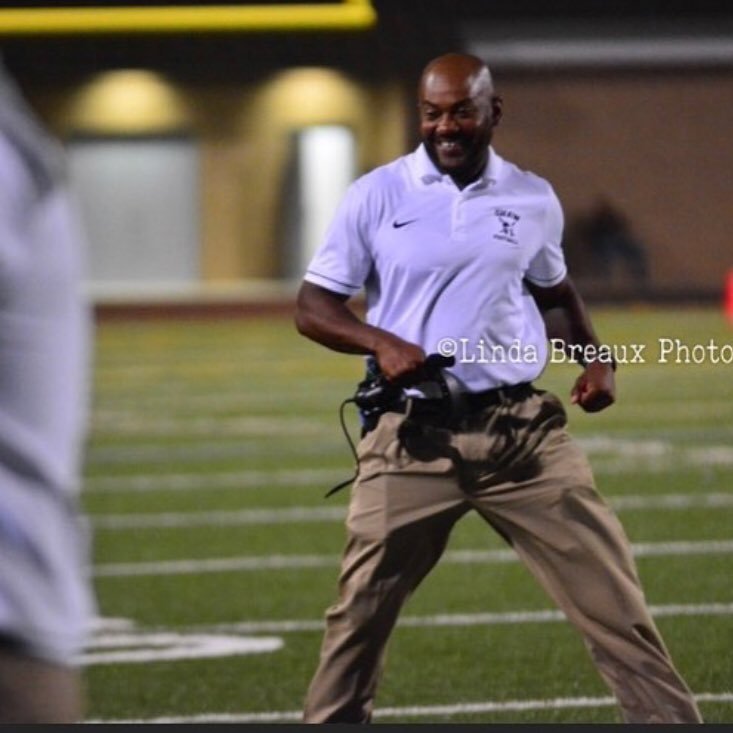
[(430, 114)]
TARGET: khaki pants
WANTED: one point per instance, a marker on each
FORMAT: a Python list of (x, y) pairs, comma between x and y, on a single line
[(514, 464)]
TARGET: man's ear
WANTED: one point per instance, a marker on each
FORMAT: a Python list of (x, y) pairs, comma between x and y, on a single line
[(497, 109)]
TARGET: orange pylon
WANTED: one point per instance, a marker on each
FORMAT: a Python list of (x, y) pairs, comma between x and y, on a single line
[(728, 299)]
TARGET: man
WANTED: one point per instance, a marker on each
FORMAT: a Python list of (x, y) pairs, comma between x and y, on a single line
[(45, 596), (457, 247)]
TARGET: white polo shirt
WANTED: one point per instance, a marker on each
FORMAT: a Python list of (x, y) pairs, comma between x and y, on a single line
[(444, 267)]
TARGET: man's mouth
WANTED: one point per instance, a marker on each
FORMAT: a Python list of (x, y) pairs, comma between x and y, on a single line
[(449, 147)]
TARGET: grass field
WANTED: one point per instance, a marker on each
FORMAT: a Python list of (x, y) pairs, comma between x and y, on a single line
[(215, 553)]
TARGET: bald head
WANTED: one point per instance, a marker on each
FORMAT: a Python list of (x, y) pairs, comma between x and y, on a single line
[(458, 70), (458, 113)]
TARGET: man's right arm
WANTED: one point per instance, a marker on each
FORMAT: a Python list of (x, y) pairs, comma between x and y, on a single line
[(323, 316)]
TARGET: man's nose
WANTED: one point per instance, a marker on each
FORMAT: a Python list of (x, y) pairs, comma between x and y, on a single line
[(447, 124)]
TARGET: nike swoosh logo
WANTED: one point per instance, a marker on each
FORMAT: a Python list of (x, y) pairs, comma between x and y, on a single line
[(399, 224)]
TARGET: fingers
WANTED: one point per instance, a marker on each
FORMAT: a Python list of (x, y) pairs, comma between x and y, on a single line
[(595, 402), (591, 399), (401, 362), (593, 395)]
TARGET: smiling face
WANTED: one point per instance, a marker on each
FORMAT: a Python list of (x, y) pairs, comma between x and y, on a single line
[(458, 113)]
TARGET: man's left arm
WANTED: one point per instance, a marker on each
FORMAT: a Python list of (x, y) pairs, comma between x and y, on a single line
[(567, 318)]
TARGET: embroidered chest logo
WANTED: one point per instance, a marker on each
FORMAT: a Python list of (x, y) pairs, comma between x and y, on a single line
[(507, 221)]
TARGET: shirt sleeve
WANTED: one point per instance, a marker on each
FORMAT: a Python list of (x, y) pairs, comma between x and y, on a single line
[(548, 267), (343, 261)]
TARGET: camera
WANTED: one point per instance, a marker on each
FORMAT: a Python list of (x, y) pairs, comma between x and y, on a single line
[(376, 394)]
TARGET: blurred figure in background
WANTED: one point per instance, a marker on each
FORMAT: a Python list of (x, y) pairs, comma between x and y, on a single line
[(611, 240), (46, 601)]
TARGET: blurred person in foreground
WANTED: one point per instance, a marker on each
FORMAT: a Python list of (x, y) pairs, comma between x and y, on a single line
[(456, 245), (46, 601)]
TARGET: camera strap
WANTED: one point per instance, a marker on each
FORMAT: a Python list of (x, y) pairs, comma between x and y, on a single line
[(352, 446)]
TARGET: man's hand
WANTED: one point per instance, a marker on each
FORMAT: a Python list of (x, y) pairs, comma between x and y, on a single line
[(400, 361), (595, 388)]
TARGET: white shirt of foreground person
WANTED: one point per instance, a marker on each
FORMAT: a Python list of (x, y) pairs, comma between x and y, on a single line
[(46, 602)]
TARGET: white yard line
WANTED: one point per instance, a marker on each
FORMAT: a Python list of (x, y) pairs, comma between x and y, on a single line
[(175, 402), (609, 455), (508, 618), (337, 513), (187, 414), (624, 456), (120, 641), (139, 647), (243, 426), (181, 453), (290, 562), (672, 501), (315, 426), (489, 706), (222, 518), (212, 481)]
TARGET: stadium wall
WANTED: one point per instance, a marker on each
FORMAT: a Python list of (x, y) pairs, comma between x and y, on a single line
[(653, 142)]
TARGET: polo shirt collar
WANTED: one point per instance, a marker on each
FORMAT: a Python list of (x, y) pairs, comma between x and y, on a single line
[(425, 173)]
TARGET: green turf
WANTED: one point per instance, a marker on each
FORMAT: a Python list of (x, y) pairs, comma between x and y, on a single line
[(183, 411)]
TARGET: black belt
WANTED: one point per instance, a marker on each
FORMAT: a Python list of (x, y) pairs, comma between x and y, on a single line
[(497, 395), (466, 402)]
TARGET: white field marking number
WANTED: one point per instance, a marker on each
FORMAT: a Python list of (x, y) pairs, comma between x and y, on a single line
[(117, 641)]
